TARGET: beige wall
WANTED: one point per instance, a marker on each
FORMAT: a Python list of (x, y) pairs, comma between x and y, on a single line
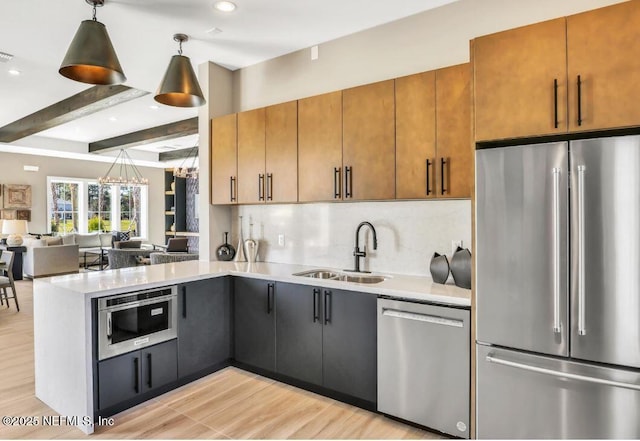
[(422, 42), (12, 172)]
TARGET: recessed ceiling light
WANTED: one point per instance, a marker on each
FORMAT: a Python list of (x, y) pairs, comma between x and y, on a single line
[(154, 107), (225, 6), (213, 31), (15, 72), (113, 119)]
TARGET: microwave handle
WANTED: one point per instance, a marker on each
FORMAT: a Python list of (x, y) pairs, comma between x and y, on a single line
[(109, 326)]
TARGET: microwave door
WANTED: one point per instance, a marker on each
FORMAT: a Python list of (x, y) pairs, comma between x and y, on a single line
[(605, 250), (522, 247)]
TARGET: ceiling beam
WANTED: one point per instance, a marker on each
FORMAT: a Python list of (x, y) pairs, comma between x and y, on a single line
[(85, 103), (178, 154), (173, 130)]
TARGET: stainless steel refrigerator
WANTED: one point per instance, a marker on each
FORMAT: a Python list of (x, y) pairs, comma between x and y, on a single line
[(558, 290)]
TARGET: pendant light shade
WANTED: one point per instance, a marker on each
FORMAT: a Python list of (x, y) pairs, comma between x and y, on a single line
[(91, 57), (180, 87)]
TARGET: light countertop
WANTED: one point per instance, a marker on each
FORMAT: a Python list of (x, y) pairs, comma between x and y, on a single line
[(101, 283)]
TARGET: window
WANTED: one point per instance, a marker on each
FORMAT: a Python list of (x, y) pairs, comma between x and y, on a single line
[(85, 206)]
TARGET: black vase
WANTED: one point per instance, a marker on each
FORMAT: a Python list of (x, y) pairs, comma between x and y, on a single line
[(461, 268), (439, 268), (225, 252)]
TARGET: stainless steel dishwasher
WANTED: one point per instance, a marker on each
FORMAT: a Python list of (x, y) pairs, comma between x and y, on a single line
[(423, 365)]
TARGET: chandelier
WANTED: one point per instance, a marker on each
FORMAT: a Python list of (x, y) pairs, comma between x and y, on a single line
[(188, 167), (127, 172)]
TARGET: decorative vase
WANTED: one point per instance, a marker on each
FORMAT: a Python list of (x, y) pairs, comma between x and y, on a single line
[(173, 185), (226, 252), (461, 268), (439, 268), (240, 255)]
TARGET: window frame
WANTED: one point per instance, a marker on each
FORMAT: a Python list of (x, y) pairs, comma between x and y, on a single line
[(83, 208)]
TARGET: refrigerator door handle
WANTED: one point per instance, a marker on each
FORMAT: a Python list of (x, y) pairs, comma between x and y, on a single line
[(581, 262), (567, 375), (556, 250)]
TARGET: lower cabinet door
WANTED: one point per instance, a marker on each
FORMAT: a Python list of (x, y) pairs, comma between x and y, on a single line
[(255, 324), (299, 332), (119, 379), (159, 365), (204, 325), (349, 347)]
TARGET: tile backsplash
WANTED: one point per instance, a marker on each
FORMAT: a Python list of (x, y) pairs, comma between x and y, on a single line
[(323, 234)]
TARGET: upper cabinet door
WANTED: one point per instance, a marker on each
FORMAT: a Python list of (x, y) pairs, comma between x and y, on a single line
[(224, 161), (251, 156), (520, 81), (454, 164), (368, 137), (603, 50), (281, 181), (416, 136), (320, 148)]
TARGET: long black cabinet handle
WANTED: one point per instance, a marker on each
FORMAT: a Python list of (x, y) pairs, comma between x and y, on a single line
[(442, 180), (270, 288), (579, 101), (348, 182), (261, 187), (327, 307), (337, 184), (136, 373), (555, 103), (428, 180), (184, 302), (316, 306), (149, 371), (232, 181), (269, 186)]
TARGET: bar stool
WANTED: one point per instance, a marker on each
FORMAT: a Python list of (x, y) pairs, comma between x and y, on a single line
[(7, 281)]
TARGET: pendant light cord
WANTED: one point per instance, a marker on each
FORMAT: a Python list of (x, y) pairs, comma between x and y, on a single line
[(94, 12), (180, 47)]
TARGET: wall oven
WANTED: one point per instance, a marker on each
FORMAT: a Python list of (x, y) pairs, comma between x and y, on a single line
[(131, 321)]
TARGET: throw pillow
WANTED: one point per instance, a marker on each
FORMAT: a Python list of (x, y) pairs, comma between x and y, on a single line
[(125, 235), (52, 241), (68, 239)]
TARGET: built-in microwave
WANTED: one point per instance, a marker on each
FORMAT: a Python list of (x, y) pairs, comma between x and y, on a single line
[(131, 321)]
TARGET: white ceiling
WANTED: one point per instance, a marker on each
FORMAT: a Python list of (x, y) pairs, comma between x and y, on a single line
[(38, 32)]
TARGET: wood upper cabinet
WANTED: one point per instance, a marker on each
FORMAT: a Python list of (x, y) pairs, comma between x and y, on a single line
[(454, 163), (416, 136), (603, 48), (515, 74), (281, 166), (320, 147), (368, 133), (224, 164), (251, 156)]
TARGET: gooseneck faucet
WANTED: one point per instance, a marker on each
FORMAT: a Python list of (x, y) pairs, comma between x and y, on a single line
[(356, 252)]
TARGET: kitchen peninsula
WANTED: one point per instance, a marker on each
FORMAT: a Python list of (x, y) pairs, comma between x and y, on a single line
[(65, 314)]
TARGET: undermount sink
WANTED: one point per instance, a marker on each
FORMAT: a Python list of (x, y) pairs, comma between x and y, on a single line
[(333, 275)]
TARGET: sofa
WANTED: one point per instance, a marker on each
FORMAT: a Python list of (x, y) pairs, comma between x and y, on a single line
[(49, 257), (90, 246)]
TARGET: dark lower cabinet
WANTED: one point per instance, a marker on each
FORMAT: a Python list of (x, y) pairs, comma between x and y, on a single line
[(255, 324), (349, 343), (122, 378), (328, 337), (299, 332), (204, 325)]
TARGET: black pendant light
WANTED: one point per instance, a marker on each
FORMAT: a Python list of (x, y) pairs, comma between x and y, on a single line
[(180, 87), (91, 57)]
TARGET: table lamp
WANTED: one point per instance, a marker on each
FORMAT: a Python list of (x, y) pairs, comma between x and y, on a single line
[(15, 229)]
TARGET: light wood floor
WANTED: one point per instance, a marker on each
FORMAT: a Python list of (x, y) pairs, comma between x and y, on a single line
[(228, 404)]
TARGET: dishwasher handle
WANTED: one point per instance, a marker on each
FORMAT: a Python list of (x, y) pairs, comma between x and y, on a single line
[(436, 320)]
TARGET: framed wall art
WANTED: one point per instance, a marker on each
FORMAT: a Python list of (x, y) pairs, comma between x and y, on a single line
[(9, 214), (23, 215), (17, 196)]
